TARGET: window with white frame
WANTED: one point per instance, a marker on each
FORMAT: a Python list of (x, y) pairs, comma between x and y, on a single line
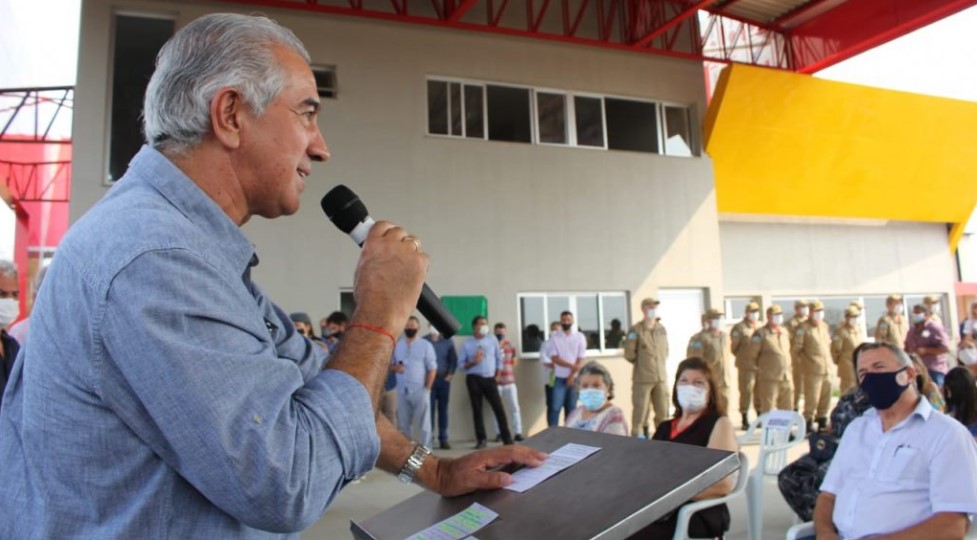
[(602, 317), (479, 110)]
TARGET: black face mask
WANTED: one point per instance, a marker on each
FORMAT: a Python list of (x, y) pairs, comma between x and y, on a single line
[(500, 337), (566, 326), (410, 332)]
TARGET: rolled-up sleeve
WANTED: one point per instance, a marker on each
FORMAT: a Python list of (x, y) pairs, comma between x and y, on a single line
[(205, 377)]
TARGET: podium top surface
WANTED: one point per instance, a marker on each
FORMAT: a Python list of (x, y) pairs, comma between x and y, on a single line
[(611, 494)]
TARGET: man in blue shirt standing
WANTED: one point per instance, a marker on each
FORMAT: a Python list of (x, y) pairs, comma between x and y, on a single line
[(160, 393), (444, 350), (415, 365), (482, 359)]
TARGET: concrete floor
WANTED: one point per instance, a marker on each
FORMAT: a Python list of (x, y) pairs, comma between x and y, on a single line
[(378, 491)]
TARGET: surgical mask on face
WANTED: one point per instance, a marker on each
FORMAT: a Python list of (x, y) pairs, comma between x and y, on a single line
[(753, 315), (715, 324), (691, 398), (805, 311), (818, 316), (650, 313), (9, 310), (592, 398), (883, 389), (967, 356), (918, 318), (410, 332), (778, 318), (897, 309), (483, 330)]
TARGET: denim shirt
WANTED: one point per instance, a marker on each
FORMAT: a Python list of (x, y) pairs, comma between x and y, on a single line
[(160, 394)]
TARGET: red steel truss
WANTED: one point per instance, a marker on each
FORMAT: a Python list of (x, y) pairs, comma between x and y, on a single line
[(35, 116), (796, 35)]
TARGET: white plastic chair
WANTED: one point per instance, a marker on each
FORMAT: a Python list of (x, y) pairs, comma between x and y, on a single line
[(801, 530), (685, 513), (776, 429)]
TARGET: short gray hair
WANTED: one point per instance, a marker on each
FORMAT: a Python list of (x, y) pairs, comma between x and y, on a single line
[(595, 368), (902, 358), (8, 269), (215, 51)]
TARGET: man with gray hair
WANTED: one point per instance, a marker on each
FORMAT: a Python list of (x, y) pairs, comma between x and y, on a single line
[(166, 395), (902, 469), (9, 310)]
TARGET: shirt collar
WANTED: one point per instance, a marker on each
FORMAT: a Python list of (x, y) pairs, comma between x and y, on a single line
[(923, 409), (165, 177)]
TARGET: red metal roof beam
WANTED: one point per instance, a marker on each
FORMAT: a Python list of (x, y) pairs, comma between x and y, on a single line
[(458, 12), (674, 21), (796, 12)]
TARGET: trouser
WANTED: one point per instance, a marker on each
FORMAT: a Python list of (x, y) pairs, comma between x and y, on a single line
[(817, 395), (719, 378), (565, 397), (798, 374), (773, 392), (548, 392), (414, 410), (640, 394), (439, 406), (510, 397), (388, 405), (846, 373), (747, 380), (486, 387)]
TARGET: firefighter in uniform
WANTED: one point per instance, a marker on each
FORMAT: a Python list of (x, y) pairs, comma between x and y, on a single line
[(893, 326), (847, 336), (801, 310), (739, 344), (646, 347), (771, 347), (812, 341), (712, 347)]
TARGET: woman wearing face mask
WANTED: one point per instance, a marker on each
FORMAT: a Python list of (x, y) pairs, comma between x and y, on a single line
[(967, 355), (700, 421), (596, 413), (960, 388)]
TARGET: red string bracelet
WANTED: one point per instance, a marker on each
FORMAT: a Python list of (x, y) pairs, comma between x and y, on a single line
[(376, 329)]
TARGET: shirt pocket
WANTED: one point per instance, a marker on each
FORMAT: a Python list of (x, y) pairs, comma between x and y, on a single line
[(902, 468)]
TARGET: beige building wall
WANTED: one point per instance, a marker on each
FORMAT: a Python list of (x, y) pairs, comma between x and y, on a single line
[(497, 218)]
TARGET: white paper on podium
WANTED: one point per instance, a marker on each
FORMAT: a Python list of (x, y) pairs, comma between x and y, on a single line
[(566, 456), (458, 526)]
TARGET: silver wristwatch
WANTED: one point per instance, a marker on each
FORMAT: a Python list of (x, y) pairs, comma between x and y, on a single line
[(414, 462)]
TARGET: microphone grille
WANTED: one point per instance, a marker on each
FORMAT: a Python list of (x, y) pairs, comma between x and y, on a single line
[(344, 208)]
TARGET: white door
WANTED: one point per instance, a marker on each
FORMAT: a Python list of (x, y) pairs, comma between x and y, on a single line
[(681, 313)]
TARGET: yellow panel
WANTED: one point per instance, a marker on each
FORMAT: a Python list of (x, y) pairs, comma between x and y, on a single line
[(790, 144)]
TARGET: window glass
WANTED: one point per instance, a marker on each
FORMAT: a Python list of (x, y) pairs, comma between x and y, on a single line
[(437, 107), (631, 125), (508, 114), (589, 114), (678, 134), (587, 319), (615, 316), (455, 103), (552, 117), (474, 114), (137, 42), (532, 317)]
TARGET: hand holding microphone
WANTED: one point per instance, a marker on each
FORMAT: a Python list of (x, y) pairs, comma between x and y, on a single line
[(390, 273)]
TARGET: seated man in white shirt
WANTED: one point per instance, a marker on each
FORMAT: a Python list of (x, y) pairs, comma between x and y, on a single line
[(902, 470)]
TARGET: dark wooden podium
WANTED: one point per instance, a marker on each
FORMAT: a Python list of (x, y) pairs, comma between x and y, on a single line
[(610, 495)]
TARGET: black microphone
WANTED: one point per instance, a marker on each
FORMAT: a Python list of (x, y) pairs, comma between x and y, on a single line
[(349, 214)]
